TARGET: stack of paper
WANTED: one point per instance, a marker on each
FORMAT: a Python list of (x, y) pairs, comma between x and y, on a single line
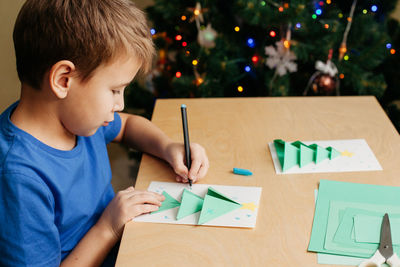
[(348, 218)]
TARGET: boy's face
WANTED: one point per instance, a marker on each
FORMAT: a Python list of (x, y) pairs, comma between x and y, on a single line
[(92, 104)]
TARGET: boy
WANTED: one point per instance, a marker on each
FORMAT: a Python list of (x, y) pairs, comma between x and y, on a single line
[(74, 59)]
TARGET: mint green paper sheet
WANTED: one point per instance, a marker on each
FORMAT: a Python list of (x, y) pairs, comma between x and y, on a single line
[(363, 194), (342, 228), (323, 258), (367, 228)]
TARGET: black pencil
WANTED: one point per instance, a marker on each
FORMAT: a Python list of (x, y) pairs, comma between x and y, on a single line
[(186, 140)]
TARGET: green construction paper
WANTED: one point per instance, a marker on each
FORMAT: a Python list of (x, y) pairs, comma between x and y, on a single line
[(333, 153), (288, 154), (363, 194), (367, 228), (306, 153), (323, 258), (214, 207), (349, 248), (168, 203), (344, 242), (320, 153), (190, 203)]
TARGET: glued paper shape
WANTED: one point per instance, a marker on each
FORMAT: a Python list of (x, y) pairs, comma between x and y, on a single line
[(321, 153), (361, 196), (215, 204), (367, 228), (243, 217), (288, 154), (306, 153), (333, 153), (190, 203), (168, 203)]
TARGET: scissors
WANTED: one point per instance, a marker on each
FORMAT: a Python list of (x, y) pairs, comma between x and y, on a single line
[(384, 253)]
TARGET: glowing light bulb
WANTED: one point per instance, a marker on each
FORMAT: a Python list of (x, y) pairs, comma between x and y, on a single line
[(341, 76), (254, 59), (178, 37), (286, 44), (392, 51), (183, 18), (196, 12), (365, 11), (298, 25), (237, 28), (240, 88), (247, 69), (388, 45), (250, 42), (374, 8), (314, 16), (280, 9), (184, 44), (195, 62), (272, 33), (178, 74), (346, 57), (153, 31), (318, 11)]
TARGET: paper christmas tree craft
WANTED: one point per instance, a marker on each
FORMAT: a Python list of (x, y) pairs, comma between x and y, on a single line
[(216, 204), (168, 203), (212, 206), (190, 203), (297, 153)]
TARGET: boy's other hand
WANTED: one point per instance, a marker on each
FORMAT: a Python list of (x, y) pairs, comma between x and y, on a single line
[(126, 205), (176, 158)]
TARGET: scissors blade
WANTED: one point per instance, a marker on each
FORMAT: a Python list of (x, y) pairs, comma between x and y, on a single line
[(386, 246)]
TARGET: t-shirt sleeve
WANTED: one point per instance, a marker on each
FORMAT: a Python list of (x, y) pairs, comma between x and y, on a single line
[(112, 130), (28, 234)]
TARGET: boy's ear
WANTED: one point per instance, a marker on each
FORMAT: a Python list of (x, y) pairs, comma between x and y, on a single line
[(60, 76)]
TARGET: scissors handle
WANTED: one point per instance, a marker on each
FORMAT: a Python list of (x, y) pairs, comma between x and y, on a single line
[(375, 261), (394, 261)]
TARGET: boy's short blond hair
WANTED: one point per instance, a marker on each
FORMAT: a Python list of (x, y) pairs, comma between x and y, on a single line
[(86, 32)]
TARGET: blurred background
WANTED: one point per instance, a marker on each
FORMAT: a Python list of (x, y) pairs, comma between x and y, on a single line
[(250, 48)]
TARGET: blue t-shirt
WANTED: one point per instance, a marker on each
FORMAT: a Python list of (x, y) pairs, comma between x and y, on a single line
[(50, 198)]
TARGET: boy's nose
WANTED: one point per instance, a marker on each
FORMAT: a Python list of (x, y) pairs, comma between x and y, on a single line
[(119, 106)]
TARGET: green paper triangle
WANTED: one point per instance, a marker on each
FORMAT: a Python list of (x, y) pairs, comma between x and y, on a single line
[(288, 154), (320, 153), (190, 203), (214, 207), (306, 154), (168, 203), (214, 193), (333, 153)]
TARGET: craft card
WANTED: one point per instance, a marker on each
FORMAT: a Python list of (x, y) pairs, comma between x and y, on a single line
[(340, 156), (217, 205)]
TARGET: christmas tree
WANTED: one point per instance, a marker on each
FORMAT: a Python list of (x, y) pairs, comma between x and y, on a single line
[(269, 48)]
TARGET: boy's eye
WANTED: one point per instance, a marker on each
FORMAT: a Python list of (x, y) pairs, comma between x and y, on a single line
[(116, 92)]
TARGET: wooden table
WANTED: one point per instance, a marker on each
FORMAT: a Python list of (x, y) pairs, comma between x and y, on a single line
[(236, 133)]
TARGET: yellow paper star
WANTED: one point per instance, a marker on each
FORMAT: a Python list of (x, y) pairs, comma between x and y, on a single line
[(248, 206), (347, 154)]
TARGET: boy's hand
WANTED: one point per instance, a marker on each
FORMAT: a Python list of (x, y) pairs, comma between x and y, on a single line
[(126, 205), (176, 158)]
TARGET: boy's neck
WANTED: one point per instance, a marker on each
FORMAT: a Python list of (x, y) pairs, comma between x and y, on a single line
[(36, 114)]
